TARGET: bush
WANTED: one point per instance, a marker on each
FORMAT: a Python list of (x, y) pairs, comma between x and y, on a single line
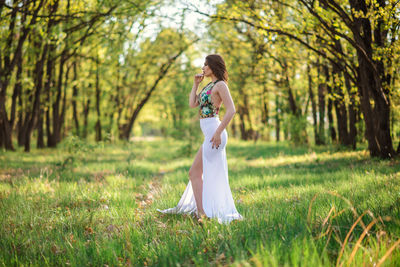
[(297, 129), (74, 146)]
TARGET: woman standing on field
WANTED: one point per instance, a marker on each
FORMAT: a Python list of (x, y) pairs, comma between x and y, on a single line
[(208, 193)]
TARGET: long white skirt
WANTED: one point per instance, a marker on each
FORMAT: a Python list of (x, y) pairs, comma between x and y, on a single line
[(217, 197)]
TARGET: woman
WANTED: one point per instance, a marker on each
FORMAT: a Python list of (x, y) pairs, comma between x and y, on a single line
[(208, 193)]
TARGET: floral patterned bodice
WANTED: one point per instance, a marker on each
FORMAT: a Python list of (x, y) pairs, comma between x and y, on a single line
[(207, 108)]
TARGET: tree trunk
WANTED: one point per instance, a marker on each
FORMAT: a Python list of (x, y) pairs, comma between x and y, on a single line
[(10, 63), (332, 131), (292, 101), (352, 135), (321, 114), (277, 119), (234, 127), (36, 102), (98, 123), (21, 124), (55, 136), (242, 126), (86, 108), (127, 128), (1, 135), (246, 114), (39, 126), (265, 111), (313, 104), (17, 91), (5, 126), (5, 73), (340, 107), (371, 81), (64, 105), (74, 97), (49, 84)]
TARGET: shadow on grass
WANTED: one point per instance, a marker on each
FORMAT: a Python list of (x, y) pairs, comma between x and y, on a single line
[(272, 150), (322, 172)]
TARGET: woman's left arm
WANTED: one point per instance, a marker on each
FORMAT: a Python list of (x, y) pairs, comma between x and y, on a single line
[(225, 95)]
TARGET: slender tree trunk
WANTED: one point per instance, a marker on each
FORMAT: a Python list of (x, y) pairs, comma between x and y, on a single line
[(313, 104), (265, 113), (2, 137), (332, 132), (19, 124), (30, 92), (64, 105), (36, 102), (265, 110), (21, 121), (234, 127), (242, 111), (349, 132), (39, 126), (127, 128), (117, 98), (242, 126), (98, 123), (292, 102), (321, 114), (340, 107), (86, 108), (49, 84), (56, 121), (246, 114), (5, 124), (277, 118), (17, 91), (352, 135), (74, 98)]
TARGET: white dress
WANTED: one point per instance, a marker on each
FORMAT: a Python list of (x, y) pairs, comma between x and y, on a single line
[(217, 197)]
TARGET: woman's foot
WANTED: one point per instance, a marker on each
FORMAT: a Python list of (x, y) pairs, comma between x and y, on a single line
[(201, 217)]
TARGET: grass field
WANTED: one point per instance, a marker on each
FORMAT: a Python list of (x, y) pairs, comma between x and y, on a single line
[(95, 205)]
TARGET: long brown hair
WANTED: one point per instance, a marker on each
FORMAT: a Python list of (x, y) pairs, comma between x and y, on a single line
[(217, 65)]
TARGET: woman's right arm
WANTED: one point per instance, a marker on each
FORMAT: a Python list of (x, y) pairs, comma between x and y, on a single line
[(192, 98)]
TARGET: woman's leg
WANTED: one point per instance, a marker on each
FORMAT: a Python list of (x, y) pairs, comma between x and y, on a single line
[(195, 174)]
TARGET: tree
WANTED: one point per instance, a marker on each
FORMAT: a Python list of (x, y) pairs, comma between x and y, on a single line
[(369, 28)]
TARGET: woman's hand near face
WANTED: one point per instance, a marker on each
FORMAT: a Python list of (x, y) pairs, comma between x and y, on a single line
[(193, 98), (198, 78)]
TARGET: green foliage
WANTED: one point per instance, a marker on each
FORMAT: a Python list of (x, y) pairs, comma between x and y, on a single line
[(296, 126), (74, 147), (127, 45)]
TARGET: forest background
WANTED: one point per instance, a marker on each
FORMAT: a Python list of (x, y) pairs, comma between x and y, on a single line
[(311, 72)]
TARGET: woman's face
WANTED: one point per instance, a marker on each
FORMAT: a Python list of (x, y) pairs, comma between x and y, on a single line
[(206, 70)]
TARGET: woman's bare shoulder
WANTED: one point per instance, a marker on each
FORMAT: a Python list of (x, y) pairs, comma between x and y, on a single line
[(222, 85)]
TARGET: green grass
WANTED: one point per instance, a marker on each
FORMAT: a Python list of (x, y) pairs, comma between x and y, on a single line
[(95, 205)]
